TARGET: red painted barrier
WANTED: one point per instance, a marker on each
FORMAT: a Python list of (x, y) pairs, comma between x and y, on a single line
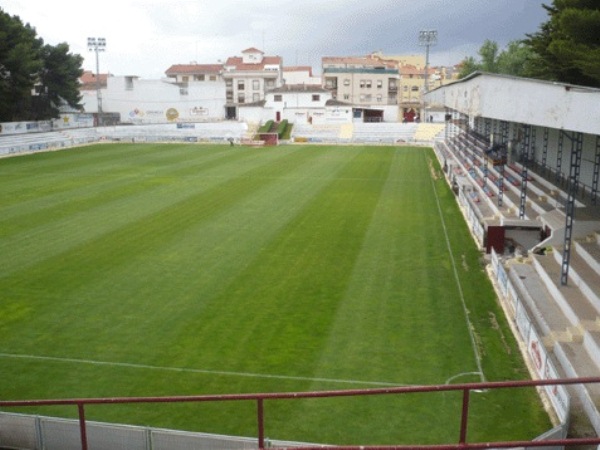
[(466, 388)]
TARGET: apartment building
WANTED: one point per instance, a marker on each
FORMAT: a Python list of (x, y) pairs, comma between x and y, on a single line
[(249, 77), (368, 83)]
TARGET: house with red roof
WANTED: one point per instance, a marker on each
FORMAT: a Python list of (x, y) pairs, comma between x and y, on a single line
[(248, 78), (193, 72)]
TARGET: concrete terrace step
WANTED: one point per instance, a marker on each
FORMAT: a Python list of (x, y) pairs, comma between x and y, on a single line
[(576, 362), (573, 303), (591, 343), (573, 348), (590, 252), (582, 275), (541, 307)]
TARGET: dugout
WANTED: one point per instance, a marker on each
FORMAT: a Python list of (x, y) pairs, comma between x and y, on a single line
[(512, 236)]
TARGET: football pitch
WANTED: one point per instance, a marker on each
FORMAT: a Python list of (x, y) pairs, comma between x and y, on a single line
[(150, 270)]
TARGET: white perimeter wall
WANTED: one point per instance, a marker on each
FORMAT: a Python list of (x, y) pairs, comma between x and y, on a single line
[(157, 101)]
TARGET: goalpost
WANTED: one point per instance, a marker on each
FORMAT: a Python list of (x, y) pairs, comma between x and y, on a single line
[(269, 139), (261, 140)]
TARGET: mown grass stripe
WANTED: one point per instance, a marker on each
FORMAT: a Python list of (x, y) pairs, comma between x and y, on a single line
[(305, 269), (67, 227), (99, 179), (214, 227)]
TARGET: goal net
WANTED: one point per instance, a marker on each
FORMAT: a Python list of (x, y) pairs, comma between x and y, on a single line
[(261, 139), (269, 139)]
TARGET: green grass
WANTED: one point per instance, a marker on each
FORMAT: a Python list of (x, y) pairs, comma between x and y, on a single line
[(142, 270)]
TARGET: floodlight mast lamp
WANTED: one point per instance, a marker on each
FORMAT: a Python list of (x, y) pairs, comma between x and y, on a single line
[(427, 38), (97, 45)]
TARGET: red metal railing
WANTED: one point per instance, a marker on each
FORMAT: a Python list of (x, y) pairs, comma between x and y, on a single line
[(462, 444)]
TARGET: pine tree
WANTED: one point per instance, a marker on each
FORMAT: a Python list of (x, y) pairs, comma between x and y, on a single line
[(567, 46), (27, 66)]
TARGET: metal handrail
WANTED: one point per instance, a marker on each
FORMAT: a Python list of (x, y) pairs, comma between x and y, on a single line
[(466, 388)]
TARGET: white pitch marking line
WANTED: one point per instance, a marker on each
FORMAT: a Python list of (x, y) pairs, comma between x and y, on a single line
[(200, 371), (458, 285)]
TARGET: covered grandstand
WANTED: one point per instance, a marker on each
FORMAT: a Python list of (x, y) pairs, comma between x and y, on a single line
[(523, 157)]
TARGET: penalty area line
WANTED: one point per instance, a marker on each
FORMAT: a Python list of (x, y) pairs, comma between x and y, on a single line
[(191, 370)]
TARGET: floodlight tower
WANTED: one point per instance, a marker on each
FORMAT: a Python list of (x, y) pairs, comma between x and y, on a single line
[(427, 38), (97, 45)]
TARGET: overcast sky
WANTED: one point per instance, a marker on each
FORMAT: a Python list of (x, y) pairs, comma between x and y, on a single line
[(145, 37)]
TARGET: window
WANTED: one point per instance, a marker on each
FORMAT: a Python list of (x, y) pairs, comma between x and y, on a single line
[(199, 77), (256, 85), (213, 78), (368, 84), (278, 98), (368, 97), (241, 98), (363, 83), (229, 83), (185, 79), (346, 96), (331, 83), (346, 81), (405, 88), (183, 91), (316, 97), (240, 85), (379, 98), (379, 84), (414, 88)]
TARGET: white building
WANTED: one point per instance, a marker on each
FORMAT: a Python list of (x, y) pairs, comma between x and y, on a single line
[(141, 101), (300, 75), (248, 78), (297, 103)]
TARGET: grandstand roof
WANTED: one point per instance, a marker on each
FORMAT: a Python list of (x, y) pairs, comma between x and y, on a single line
[(524, 100)]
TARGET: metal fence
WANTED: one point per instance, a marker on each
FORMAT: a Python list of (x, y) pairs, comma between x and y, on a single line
[(50, 434), (18, 431)]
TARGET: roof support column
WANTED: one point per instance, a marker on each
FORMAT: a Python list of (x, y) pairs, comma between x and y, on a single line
[(559, 157), (504, 129), (524, 169), (545, 150), (574, 170), (596, 175)]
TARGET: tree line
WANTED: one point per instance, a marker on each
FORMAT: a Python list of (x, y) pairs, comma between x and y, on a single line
[(35, 78), (566, 48)]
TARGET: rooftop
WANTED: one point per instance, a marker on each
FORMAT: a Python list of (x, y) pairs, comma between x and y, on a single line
[(237, 63), (179, 69)]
